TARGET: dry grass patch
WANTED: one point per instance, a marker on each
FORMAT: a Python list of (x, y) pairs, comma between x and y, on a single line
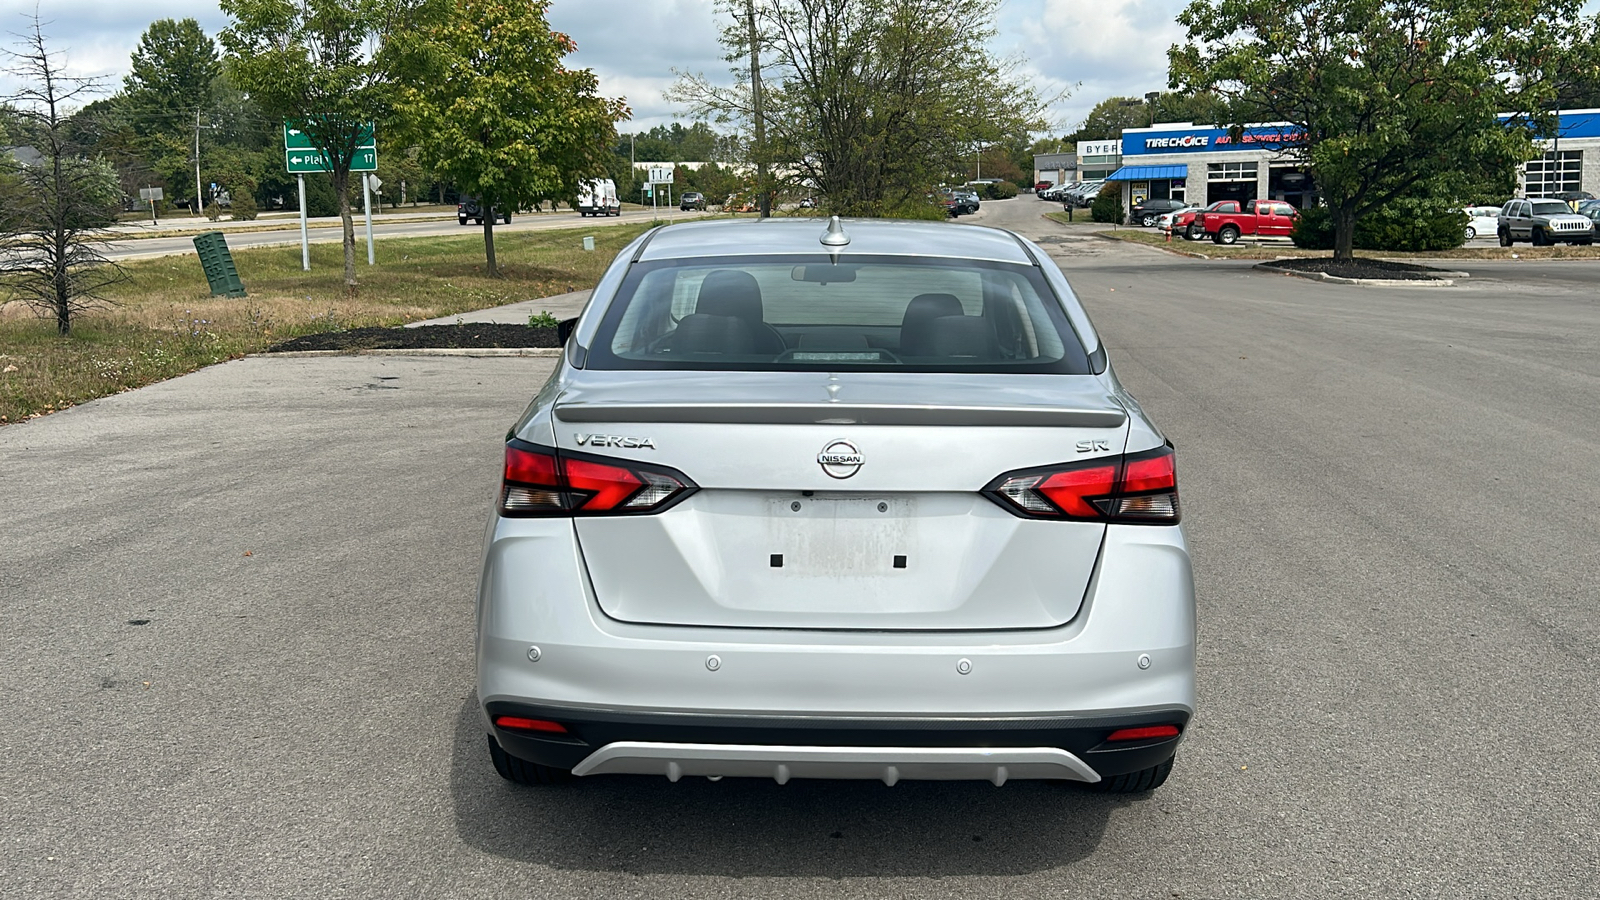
[(165, 323)]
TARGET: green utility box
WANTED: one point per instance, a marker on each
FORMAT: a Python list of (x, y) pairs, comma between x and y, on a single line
[(218, 263)]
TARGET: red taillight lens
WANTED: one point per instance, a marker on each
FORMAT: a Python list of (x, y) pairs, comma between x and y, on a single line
[(1139, 734), (518, 723), (1137, 489), (539, 481)]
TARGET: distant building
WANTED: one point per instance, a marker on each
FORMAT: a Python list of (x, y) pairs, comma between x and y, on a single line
[(23, 156), (1056, 168)]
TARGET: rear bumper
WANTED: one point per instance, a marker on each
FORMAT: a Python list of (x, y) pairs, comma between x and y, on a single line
[(997, 749), (546, 650)]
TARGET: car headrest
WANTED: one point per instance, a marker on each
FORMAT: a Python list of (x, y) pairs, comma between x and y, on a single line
[(922, 310), (729, 292), (962, 336), (700, 333)]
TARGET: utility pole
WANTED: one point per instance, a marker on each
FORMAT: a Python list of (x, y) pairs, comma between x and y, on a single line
[(199, 194), (764, 200)]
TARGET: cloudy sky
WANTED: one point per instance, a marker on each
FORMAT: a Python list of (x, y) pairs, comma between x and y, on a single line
[(1110, 46)]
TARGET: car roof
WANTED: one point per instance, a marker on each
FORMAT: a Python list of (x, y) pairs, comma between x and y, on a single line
[(868, 237)]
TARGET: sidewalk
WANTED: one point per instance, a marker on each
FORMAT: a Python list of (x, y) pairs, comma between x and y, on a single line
[(562, 306)]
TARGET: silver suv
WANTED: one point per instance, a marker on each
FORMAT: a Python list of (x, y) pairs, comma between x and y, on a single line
[(1543, 222), (863, 502)]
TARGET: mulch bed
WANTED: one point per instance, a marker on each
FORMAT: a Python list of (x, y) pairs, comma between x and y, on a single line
[(1359, 267), (468, 336)]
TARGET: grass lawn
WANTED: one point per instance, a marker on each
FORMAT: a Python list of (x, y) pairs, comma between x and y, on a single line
[(163, 321), (1205, 249)]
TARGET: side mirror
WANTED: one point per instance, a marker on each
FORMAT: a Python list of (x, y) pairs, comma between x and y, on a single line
[(565, 328)]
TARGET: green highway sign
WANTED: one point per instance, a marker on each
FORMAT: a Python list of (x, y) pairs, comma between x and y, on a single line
[(302, 161), (295, 139)]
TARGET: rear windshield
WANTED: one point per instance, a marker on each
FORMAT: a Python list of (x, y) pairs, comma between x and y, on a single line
[(764, 314), (1550, 208)]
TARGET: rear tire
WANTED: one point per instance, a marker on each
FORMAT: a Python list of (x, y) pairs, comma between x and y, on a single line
[(1471, 232), (521, 771), (462, 221), (508, 218), (1136, 782), (1228, 235), (1505, 237)]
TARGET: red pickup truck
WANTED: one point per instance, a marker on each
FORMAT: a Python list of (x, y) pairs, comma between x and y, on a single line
[(1225, 221)]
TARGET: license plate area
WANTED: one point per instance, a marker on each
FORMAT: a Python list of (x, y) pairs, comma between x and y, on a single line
[(828, 536)]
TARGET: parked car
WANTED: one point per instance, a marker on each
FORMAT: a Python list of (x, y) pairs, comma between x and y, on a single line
[(1043, 185), (598, 197), (1592, 213), (468, 209), (968, 200), (1147, 212), (1543, 222), (808, 203), (1228, 220), (1181, 222), (692, 200), (1482, 221), (1081, 194), (694, 567), (1574, 198)]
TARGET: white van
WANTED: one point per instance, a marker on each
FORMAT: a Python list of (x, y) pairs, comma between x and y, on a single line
[(598, 197)]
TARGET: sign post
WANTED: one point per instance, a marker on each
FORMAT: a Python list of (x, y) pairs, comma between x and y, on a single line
[(152, 194), (658, 175), (369, 183), (300, 156), (305, 239)]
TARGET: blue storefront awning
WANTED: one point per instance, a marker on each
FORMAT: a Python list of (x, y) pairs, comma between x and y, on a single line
[(1148, 173)]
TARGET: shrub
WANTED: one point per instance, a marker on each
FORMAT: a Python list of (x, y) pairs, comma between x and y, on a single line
[(1000, 190), (1107, 206), (244, 207), (1403, 225)]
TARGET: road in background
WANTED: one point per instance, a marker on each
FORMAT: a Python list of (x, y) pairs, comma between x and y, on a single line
[(139, 248), (238, 609)]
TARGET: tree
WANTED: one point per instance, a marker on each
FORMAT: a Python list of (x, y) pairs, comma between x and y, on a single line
[(55, 212), (1382, 96), (870, 103), (321, 64), (166, 94), (491, 106)]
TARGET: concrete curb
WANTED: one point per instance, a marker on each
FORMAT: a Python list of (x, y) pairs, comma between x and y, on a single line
[(1374, 282), (470, 352)]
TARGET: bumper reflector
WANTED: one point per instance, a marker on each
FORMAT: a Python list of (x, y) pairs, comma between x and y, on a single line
[(518, 723), (1148, 731)]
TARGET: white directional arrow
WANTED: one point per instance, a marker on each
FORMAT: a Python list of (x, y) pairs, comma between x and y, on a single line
[(294, 159), (294, 131)]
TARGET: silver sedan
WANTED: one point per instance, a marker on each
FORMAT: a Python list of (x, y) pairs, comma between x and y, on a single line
[(863, 501)]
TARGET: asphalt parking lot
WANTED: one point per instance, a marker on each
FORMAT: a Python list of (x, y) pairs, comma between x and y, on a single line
[(238, 619)]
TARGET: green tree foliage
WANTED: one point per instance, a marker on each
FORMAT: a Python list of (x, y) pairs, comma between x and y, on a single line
[(54, 212), (869, 103), (1407, 225), (1107, 206), (673, 143), (1383, 97), (324, 65), (492, 107), (167, 91)]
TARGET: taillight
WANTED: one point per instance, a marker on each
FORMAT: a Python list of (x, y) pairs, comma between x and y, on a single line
[(1143, 733), (521, 723), (540, 481), (1138, 489)]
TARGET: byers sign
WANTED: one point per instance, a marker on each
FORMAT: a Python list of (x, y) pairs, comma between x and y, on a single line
[(1200, 140)]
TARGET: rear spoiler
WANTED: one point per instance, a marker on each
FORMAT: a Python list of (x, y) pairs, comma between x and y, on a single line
[(840, 414)]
